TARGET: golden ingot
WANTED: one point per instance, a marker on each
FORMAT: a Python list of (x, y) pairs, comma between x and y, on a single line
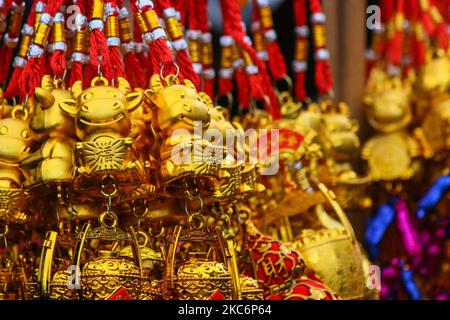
[(391, 156), (103, 275), (199, 279), (53, 162), (331, 254)]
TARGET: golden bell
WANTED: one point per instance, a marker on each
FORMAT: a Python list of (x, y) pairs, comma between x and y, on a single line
[(250, 289), (59, 289), (103, 275), (199, 278)]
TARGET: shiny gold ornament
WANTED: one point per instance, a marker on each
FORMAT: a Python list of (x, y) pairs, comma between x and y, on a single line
[(200, 279), (434, 76), (103, 124), (15, 141), (391, 156), (388, 102), (179, 116), (199, 276), (102, 276), (53, 163), (250, 289), (341, 144), (334, 254), (436, 128)]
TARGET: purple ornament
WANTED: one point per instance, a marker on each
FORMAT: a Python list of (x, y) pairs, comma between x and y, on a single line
[(408, 232)]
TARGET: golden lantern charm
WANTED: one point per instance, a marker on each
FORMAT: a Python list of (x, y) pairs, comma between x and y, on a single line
[(103, 276)]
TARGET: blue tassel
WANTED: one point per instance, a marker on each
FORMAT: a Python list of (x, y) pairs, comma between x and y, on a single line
[(377, 227), (433, 196)]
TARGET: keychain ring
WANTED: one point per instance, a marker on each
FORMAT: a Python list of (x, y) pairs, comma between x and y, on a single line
[(20, 109), (111, 216), (186, 205), (161, 72)]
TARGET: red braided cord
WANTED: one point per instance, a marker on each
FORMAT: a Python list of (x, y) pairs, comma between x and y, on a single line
[(323, 76), (36, 66), (426, 19), (58, 58), (182, 56), (418, 43), (194, 34), (161, 56), (244, 90), (99, 48), (8, 47), (114, 50), (134, 70), (208, 73), (231, 12), (441, 31), (76, 70), (277, 65), (13, 86), (396, 43), (300, 66), (243, 85)]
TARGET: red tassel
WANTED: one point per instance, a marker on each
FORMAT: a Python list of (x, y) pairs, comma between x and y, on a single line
[(277, 66), (186, 69), (232, 14), (100, 49), (442, 35), (208, 87), (300, 89), (133, 70), (225, 86), (76, 73), (31, 76), (58, 63), (13, 86), (323, 77), (116, 61)]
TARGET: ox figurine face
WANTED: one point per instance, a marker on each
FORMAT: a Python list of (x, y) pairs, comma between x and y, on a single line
[(102, 108)]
